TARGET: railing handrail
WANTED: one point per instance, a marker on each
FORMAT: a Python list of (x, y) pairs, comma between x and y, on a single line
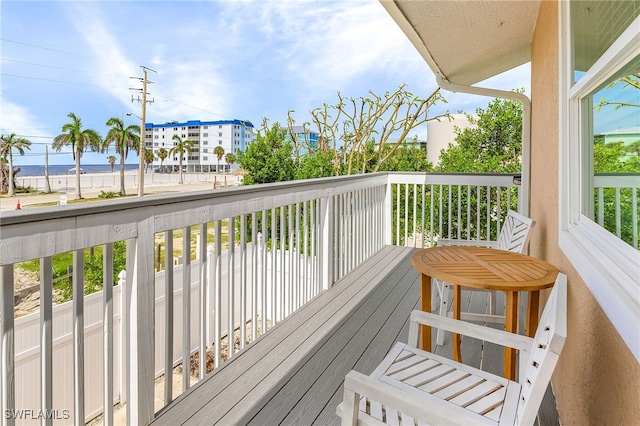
[(616, 180), (221, 196), (336, 185)]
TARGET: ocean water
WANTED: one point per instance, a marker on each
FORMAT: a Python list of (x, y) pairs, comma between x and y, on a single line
[(33, 170)]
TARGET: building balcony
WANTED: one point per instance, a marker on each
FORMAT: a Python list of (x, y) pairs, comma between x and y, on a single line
[(312, 278)]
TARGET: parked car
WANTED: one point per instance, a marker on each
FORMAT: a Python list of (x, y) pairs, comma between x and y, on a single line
[(73, 171), (163, 169)]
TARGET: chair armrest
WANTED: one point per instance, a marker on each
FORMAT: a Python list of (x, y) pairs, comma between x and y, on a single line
[(502, 338), (473, 243), (404, 401)]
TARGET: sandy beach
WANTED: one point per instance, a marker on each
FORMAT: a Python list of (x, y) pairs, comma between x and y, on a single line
[(93, 183)]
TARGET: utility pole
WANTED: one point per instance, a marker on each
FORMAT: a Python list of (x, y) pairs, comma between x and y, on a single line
[(143, 141), (47, 185)]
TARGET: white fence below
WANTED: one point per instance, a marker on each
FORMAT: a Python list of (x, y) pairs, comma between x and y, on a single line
[(111, 181)]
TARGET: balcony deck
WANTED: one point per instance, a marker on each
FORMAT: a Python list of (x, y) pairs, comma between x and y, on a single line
[(296, 378)]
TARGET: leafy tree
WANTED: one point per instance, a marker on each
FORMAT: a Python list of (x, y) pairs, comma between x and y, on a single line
[(315, 165), (219, 152), (7, 145), (492, 144), (608, 158), (409, 157), (80, 141), (268, 158), (112, 161), (124, 139), (180, 148), (162, 155), (632, 80), (148, 158), (230, 159)]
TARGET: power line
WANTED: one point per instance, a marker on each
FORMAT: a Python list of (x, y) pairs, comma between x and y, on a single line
[(114, 87), (45, 48), (59, 81), (81, 71), (46, 66), (37, 143), (195, 107)]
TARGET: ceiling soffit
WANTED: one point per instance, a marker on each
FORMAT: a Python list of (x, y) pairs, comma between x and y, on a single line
[(467, 41)]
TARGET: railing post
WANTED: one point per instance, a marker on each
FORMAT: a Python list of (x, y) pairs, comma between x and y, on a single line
[(141, 306), (46, 337), (107, 330), (387, 215), (78, 336), (7, 348), (122, 353), (326, 242)]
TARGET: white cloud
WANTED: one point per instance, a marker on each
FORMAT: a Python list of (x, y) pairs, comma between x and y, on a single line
[(327, 45), (19, 120)]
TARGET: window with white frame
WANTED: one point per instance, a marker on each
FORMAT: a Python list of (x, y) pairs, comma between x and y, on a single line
[(599, 143)]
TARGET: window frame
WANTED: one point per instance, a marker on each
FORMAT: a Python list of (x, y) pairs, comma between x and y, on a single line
[(609, 267)]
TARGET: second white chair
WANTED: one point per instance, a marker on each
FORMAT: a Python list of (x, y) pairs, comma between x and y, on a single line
[(514, 236)]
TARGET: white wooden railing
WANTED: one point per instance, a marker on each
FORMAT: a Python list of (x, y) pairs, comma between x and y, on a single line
[(313, 233)]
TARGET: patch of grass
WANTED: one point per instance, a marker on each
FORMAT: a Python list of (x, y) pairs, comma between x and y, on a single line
[(93, 273), (109, 194)]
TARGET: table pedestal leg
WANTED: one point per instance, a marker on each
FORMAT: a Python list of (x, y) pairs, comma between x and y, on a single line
[(425, 305), (457, 293), (533, 305), (511, 319)]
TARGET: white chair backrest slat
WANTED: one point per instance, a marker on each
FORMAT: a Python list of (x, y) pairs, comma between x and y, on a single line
[(515, 233)]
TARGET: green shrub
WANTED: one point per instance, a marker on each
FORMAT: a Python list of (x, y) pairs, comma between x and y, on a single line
[(109, 194)]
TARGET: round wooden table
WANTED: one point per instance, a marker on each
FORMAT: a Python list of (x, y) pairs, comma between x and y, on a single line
[(490, 269)]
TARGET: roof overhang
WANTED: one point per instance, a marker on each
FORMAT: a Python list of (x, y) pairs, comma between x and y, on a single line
[(467, 41)]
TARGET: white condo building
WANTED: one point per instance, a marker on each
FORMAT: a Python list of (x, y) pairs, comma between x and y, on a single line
[(231, 135)]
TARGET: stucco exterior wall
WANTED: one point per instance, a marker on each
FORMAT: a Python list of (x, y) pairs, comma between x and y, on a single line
[(597, 381)]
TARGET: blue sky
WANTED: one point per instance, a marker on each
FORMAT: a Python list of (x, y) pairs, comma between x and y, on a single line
[(215, 60)]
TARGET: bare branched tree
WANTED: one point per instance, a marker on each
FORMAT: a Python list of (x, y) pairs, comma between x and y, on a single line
[(347, 127)]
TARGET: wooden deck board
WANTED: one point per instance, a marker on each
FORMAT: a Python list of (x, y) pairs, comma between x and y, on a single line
[(370, 344), (294, 373), (283, 373), (368, 362), (227, 388)]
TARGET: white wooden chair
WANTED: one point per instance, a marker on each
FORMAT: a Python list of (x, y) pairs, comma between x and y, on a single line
[(514, 236), (412, 386)]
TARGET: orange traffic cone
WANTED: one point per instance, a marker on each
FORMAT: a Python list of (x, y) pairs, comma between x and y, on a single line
[(18, 205)]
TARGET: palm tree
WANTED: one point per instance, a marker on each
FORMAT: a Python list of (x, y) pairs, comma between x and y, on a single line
[(124, 138), (230, 159), (148, 158), (180, 148), (219, 151), (162, 155), (7, 145), (112, 161), (80, 141)]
